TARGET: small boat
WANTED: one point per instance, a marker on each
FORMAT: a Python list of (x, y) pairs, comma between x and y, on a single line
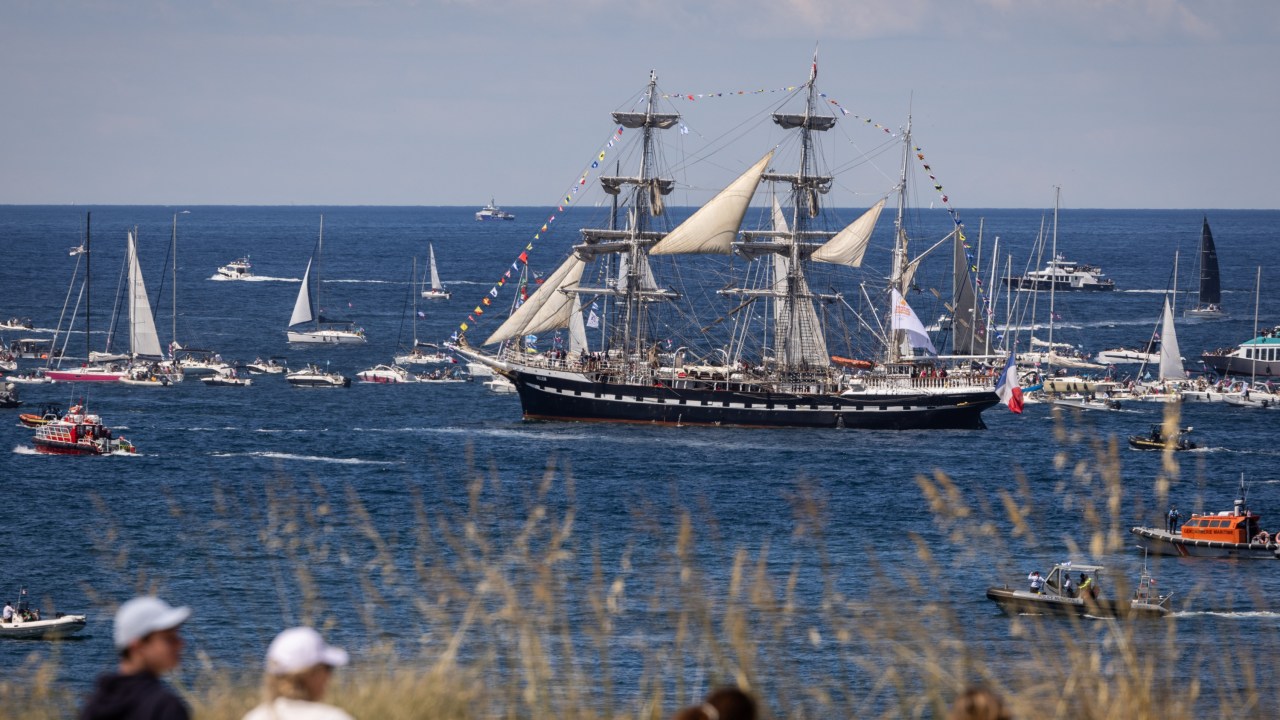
[(1156, 440), (425, 354), (1228, 533), (493, 212), (500, 385), (79, 433), (1057, 597), (1085, 402), (442, 376), (16, 323), (1123, 356), (386, 375), (270, 366), (49, 413), (325, 331), (1209, 303), (32, 349), (237, 269), (313, 376), (27, 624), (9, 396), (226, 378), (201, 363), (1062, 274), (437, 290), (35, 377)]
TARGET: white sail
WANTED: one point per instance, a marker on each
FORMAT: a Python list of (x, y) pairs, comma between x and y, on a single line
[(850, 244), (143, 339), (547, 308), (577, 328), (435, 276), (302, 306), (1170, 354), (713, 227)]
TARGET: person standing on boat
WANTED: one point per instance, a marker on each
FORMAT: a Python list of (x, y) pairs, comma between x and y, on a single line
[(8, 612), (1068, 587), (1037, 582), (147, 638), (1172, 522)]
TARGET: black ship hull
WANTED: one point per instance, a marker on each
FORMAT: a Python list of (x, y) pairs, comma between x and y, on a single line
[(550, 397)]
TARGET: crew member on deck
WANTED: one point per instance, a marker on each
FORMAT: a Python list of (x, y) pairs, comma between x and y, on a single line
[(1037, 582), (1171, 522)]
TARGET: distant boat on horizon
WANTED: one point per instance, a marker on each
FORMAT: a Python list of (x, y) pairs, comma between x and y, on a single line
[(493, 212)]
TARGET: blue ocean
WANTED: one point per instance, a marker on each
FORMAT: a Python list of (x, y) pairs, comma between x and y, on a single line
[(197, 516)]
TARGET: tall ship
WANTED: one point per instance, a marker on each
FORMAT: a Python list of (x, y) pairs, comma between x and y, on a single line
[(1209, 301), (649, 361)]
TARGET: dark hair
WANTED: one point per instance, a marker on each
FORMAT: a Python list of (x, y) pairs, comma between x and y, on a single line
[(732, 704), (978, 703)]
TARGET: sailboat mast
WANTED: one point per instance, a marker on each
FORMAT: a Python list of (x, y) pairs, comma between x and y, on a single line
[(173, 250), (900, 244), (1053, 275), (319, 255), (413, 290), (88, 284), (1257, 296)]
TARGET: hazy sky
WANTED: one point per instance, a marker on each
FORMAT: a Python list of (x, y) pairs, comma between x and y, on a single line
[(1125, 103)]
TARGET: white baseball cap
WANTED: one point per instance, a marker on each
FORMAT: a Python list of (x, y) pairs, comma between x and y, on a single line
[(300, 648), (142, 616)]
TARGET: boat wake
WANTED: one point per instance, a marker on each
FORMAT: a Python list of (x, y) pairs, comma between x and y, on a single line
[(366, 282), (1242, 614), (255, 278), (24, 450), (307, 458)]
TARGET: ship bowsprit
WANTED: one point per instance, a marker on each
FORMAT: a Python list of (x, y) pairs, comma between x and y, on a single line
[(553, 396)]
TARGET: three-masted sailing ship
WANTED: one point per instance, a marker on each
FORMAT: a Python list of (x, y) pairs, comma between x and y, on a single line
[(756, 367)]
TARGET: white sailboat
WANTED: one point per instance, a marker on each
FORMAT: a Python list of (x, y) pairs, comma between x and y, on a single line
[(437, 291), (420, 353), (324, 331), (144, 341)]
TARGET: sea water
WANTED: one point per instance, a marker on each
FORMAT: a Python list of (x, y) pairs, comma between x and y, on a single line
[(192, 512)]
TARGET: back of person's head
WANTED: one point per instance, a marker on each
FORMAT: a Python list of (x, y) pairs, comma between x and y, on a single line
[(731, 703), (978, 704), (296, 660)]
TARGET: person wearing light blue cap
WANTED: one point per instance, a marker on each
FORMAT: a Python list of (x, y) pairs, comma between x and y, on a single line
[(146, 634)]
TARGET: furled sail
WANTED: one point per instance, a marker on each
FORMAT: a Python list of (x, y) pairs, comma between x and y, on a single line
[(547, 308), (1170, 355), (850, 244), (302, 311), (798, 337), (1210, 283), (143, 340), (712, 228)]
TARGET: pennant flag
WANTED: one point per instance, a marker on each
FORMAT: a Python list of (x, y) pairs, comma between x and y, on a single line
[(1007, 386), (524, 258), (493, 292), (463, 326), (905, 319), (593, 320)]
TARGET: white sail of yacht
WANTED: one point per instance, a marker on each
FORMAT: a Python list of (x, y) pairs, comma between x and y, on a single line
[(144, 341), (1170, 356), (437, 290), (325, 331)]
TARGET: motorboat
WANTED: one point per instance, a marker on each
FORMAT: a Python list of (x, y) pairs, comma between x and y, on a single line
[(1258, 357), (425, 354), (9, 396), (26, 623), (49, 413), (386, 375), (17, 323), (153, 374), (314, 376), (1229, 533), (1056, 596), (1085, 402), (238, 269), (1128, 356), (201, 363), (270, 366), (1062, 274), (500, 385), (227, 378), (438, 376), (322, 330), (1157, 440), (35, 377), (79, 433), (493, 212), (8, 361), (33, 349)]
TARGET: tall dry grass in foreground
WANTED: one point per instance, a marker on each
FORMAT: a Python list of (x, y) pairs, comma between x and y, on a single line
[(522, 617)]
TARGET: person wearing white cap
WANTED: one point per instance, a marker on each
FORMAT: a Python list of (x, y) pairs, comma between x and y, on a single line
[(147, 638), (299, 666)]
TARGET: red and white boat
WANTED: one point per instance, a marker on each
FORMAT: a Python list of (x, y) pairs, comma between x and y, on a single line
[(111, 372), (78, 433)]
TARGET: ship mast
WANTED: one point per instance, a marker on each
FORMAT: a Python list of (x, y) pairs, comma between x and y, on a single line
[(897, 277)]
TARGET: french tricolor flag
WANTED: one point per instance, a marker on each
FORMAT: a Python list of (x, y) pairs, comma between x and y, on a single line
[(1007, 386)]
